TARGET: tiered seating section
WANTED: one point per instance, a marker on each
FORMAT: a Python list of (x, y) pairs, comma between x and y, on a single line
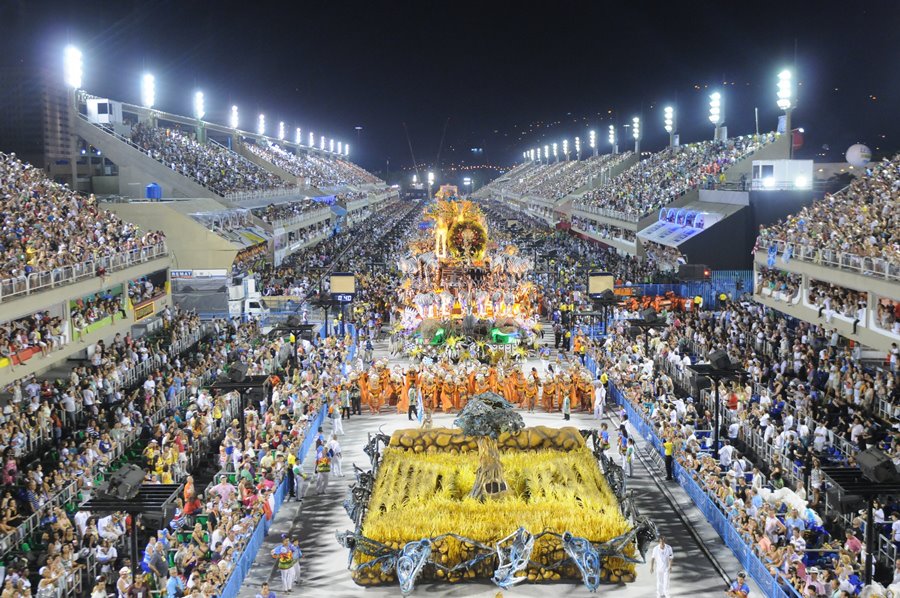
[(317, 170), (663, 177)]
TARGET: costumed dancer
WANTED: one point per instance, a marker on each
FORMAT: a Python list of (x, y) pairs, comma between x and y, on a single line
[(284, 559)]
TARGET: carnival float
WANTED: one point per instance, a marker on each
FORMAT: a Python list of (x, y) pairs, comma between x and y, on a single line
[(463, 295), (492, 500)]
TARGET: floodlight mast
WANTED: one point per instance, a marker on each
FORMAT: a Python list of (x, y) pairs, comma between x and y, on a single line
[(613, 139), (669, 121), (636, 133)]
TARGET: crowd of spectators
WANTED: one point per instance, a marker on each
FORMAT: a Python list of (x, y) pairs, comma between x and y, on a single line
[(833, 299), (662, 256), (45, 226), (813, 406), (887, 315), (143, 289), (604, 231), (318, 171), (575, 175), (663, 177), (39, 331), (86, 311), (778, 284), (213, 166), (861, 221), (274, 213)]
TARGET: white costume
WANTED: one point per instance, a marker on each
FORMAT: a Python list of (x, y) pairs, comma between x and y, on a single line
[(662, 561)]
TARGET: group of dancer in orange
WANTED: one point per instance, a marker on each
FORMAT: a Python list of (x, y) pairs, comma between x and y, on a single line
[(447, 387)]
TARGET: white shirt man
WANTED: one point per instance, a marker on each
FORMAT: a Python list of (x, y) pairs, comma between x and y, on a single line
[(661, 561), (599, 399)]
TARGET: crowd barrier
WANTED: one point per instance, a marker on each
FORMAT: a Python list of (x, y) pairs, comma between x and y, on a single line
[(248, 556), (743, 553)]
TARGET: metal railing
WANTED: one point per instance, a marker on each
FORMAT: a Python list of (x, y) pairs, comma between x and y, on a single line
[(312, 215), (842, 260), (240, 196), (65, 275)]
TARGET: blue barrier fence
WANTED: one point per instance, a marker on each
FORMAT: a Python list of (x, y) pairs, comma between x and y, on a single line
[(245, 561), (731, 282), (733, 540)]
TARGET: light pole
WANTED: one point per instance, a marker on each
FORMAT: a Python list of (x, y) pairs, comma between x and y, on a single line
[(555, 153), (312, 140), (578, 148), (636, 133), (281, 131), (467, 182), (430, 183), (547, 154), (786, 102), (297, 137), (234, 121), (716, 113), (346, 150), (148, 96), (261, 125), (592, 141), (199, 113), (565, 149), (613, 139), (669, 119), (73, 70)]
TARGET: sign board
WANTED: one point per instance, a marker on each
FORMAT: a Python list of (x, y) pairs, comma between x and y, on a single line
[(599, 282), (343, 286), (144, 311), (187, 274)]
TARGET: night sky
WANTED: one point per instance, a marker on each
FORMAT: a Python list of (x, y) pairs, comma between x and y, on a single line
[(499, 76)]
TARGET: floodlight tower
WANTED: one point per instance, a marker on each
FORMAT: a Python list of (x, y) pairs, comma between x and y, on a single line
[(73, 71), (281, 131), (636, 133), (148, 96), (555, 152), (234, 121), (547, 154), (592, 141), (322, 143), (786, 97), (346, 150), (331, 145), (312, 139), (261, 125), (430, 183), (717, 113), (613, 139), (565, 149), (578, 148), (298, 138), (199, 113), (669, 120)]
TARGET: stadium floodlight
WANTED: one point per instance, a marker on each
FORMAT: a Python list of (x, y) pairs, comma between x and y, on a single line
[(525, 155), (555, 152), (592, 138), (234, 117), (669, 120), (148, 90), (73, 67), (347, 150), (565, 148), (261, 125), (415, 179), (785, 90), (430, 179), (613, 139), (322, 143), (199, 105), (331, 145), (716, 112), (312, 139), (281, 131), (340, 148), (636, 133), (297, 137), (578, 148), (546, 152)]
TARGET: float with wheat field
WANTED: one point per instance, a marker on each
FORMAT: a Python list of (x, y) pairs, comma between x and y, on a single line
[(490, 500)]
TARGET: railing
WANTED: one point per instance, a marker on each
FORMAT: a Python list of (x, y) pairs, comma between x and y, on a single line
[(65, 275), (850, 262), (240, 196), (769, 585), (70, 491), (608, 213), (300, 218)]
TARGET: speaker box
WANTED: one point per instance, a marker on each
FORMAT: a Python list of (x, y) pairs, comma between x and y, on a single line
[(719, 359), (877, 466), (237, 371), (845, 503), (293, 321), (648, 314), (124, 484)]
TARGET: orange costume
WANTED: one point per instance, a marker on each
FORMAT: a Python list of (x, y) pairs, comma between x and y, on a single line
[(364, 387), (447, 391), (549, 394), (375, 385)]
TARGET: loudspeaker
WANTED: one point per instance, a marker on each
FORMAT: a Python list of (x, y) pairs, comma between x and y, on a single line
[(293, 321), (123, 484), (649, 314), (877, 466), (845, 503), (719, 359), (237, 371)]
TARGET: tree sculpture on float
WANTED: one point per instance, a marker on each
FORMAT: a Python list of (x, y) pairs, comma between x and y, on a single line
[(486, 416)]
